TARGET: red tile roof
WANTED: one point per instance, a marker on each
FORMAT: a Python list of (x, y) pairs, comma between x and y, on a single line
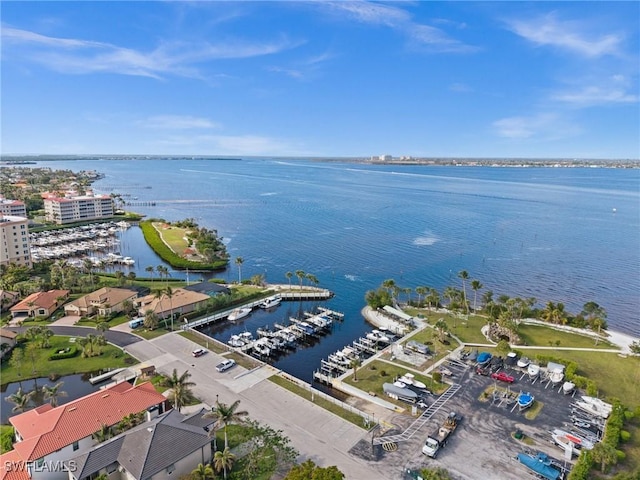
[(41, 299), (45, 430), (12, 467)]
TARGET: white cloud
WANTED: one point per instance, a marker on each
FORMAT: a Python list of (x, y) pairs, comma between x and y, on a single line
[(594, 95), (572, 36), (435, 39), (177, 122), (229, 144), (546, 126), (171, 58), (460, 87)]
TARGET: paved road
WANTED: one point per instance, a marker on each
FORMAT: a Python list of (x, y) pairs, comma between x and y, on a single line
[(316, 433)]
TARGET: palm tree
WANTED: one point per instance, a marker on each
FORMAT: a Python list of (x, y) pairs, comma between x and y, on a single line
[(226, 414), (421, 291), (604, 454), (169, 294), (150, 320), (442, 328), (46, 335), (87, 266), (239, 261), (52, 393), (464, 275), (202, 472), (149, 270), (289, 275), (20, 399), (158, 294), (102, 435), (300, 274), (475, 286), (102, 327), (180, 388), (355, 363), (223, 460)]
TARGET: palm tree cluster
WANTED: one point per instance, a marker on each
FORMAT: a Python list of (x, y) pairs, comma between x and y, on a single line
[(40, 335), (91, 345), (21, 399), (180, 387), (302, 275)]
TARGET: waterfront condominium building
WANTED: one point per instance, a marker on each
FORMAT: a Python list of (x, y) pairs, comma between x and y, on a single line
[(76, 209), (12, 207), (14, 241)]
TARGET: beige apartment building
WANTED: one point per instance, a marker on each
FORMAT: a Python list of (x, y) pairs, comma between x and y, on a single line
[(14, 241), (12, 207), (76, 209)]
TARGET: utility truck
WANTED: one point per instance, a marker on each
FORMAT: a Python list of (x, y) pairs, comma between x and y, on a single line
[(439, 439)]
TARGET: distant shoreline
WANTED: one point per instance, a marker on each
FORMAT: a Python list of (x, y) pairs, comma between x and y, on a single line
[(400, 161)]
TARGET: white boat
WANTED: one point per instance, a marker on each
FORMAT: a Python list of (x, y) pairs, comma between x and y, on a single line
[(525, 400), (239, 313), (406, 379), (533, 370), (568, 387), (597, 403), (567, 440), (262, 348), (271, 302), (235, 341), (556, 376), (246, 337), (377, 336), (593, 409), (419, 384), (523, 362)]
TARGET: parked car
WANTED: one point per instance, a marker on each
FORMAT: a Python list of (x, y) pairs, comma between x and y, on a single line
[(503, 377), (225, 365), (198, 352)]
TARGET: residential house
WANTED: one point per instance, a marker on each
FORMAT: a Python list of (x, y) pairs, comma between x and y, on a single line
[(7, 340), (8, 299), (14, 241), (39, 304), (182, 301), (47, 436), (168, 447), (103, 301)]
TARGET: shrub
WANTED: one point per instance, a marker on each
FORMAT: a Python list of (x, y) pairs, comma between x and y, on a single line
[(383, 373), (437, 377), (625, 436), (621, 455), (69, 352)]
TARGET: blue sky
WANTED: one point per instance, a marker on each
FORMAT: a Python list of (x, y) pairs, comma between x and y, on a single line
[(345, 78)]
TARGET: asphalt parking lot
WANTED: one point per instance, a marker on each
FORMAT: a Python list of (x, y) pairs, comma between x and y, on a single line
[(482, 446)]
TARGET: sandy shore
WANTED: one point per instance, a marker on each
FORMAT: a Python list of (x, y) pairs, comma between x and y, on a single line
[(619, 339)]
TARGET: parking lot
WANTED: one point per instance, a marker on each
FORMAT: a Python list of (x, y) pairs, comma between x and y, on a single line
[(483, 445)]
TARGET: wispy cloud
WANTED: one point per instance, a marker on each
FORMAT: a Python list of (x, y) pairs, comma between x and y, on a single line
[(79, 56), (545, 126), (229, 144), (177, 122), (572, 36), (435, 39), (303, 69), (614, 89)]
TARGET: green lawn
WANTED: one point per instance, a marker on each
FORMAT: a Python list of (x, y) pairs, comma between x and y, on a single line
[(372, 375), (546, 336), (173, 236), (615, 376), (321, 402), (41, 366), (6, 438)]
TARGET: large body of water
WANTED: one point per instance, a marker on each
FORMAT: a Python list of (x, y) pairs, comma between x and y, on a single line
[(568, 235)]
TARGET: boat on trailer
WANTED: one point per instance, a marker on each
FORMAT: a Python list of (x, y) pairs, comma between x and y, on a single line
[(525, 400), (540, 464)]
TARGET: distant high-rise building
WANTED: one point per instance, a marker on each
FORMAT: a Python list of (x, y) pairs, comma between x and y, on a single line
[(76, 209), (14, 241)]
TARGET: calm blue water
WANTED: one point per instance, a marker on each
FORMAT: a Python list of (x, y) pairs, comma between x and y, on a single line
[(546, 233)]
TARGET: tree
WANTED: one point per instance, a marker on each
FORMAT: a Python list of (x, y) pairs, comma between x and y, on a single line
[(239, 261), (102, 327), (159, 294), (355, 363), (442, 328), (180, 389), (202, 472), (266, 441), (169, 294), (17, 355), (150, 320), (634, 347), (20, 399), (300, 274), (421, 291), (102, 435), (149, 269), (119, 278), (289, 275), (223, 460), (475, 286), (604, 454), (308, 470), (464, 275), (226, 414), (52, 393)]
